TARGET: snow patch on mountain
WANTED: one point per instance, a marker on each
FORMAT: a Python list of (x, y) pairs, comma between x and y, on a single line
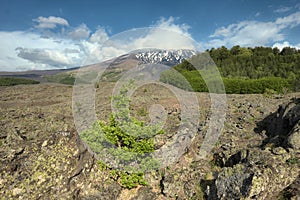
[(165, 57)]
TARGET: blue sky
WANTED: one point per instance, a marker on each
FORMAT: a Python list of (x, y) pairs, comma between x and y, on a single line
[(37, 34)]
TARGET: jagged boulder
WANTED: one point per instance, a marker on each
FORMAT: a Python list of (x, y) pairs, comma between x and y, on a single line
[(280, 125), (261, 177), (294, 138), (262, 172), (234, 182)]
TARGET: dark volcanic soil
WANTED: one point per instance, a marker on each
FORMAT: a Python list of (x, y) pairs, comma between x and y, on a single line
[(42, 156)]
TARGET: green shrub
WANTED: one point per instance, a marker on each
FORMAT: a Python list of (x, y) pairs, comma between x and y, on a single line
[(69, 80), (10, 81), (127, 180), (111, 76), (293, 160), (119, 138), (133, 180), (63, 78), (127, 140), (142, 112)]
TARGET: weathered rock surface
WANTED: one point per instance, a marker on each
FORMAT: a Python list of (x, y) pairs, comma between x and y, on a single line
[(294, 138), (42, 156), (262, 172)]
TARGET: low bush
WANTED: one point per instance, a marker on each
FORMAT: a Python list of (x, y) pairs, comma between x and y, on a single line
[(126, 141), (69, 80), (10, 81)]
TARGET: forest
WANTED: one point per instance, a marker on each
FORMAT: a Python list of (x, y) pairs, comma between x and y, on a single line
[(245, 70)]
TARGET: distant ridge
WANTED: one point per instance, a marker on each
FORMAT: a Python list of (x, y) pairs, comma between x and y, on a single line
[(142, 56), (37, 75)]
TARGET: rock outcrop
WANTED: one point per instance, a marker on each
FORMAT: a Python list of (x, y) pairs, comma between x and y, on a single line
[(264, 171)]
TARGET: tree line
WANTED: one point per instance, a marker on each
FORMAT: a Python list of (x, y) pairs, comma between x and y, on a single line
[(258, 62), (244, 70)]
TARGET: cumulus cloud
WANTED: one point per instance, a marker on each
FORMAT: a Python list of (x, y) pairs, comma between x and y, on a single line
[(281, 45), (50, 22), (255, 33), (51, 57), (79, 46), (249, 33), (164, 34), (72, 47), (80, 32), (100, 36), (27, 51)]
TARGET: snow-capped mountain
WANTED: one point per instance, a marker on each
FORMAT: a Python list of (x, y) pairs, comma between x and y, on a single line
[(165, 57)]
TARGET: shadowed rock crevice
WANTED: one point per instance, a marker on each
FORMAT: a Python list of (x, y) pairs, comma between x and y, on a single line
[(278, 126), (261, 172)]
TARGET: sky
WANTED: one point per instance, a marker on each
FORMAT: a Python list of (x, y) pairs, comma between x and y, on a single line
[(38, 35)]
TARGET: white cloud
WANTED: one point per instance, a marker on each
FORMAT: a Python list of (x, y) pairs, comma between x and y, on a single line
[(281, 45), (51, 57), (254, 33), (79, 46), (289, 21), (282, 9), (170, 25), (165, 34), (50, 22), (72, 47), (27, 51), (248, 33), (100, 36), (213, 43), (80, 32)]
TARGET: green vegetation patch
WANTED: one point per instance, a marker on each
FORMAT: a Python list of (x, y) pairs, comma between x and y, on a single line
[(70, 80), (111, 76), (64, 78), (126, 180), (10, 81), (293, 160), (243, 70), (124, 144), (192, 81), (257, 62)]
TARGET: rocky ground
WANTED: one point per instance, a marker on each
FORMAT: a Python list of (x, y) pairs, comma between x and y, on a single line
[(42, 157)]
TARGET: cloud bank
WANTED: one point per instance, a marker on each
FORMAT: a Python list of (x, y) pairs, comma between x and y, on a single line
[(53, 43), (254, 33)]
